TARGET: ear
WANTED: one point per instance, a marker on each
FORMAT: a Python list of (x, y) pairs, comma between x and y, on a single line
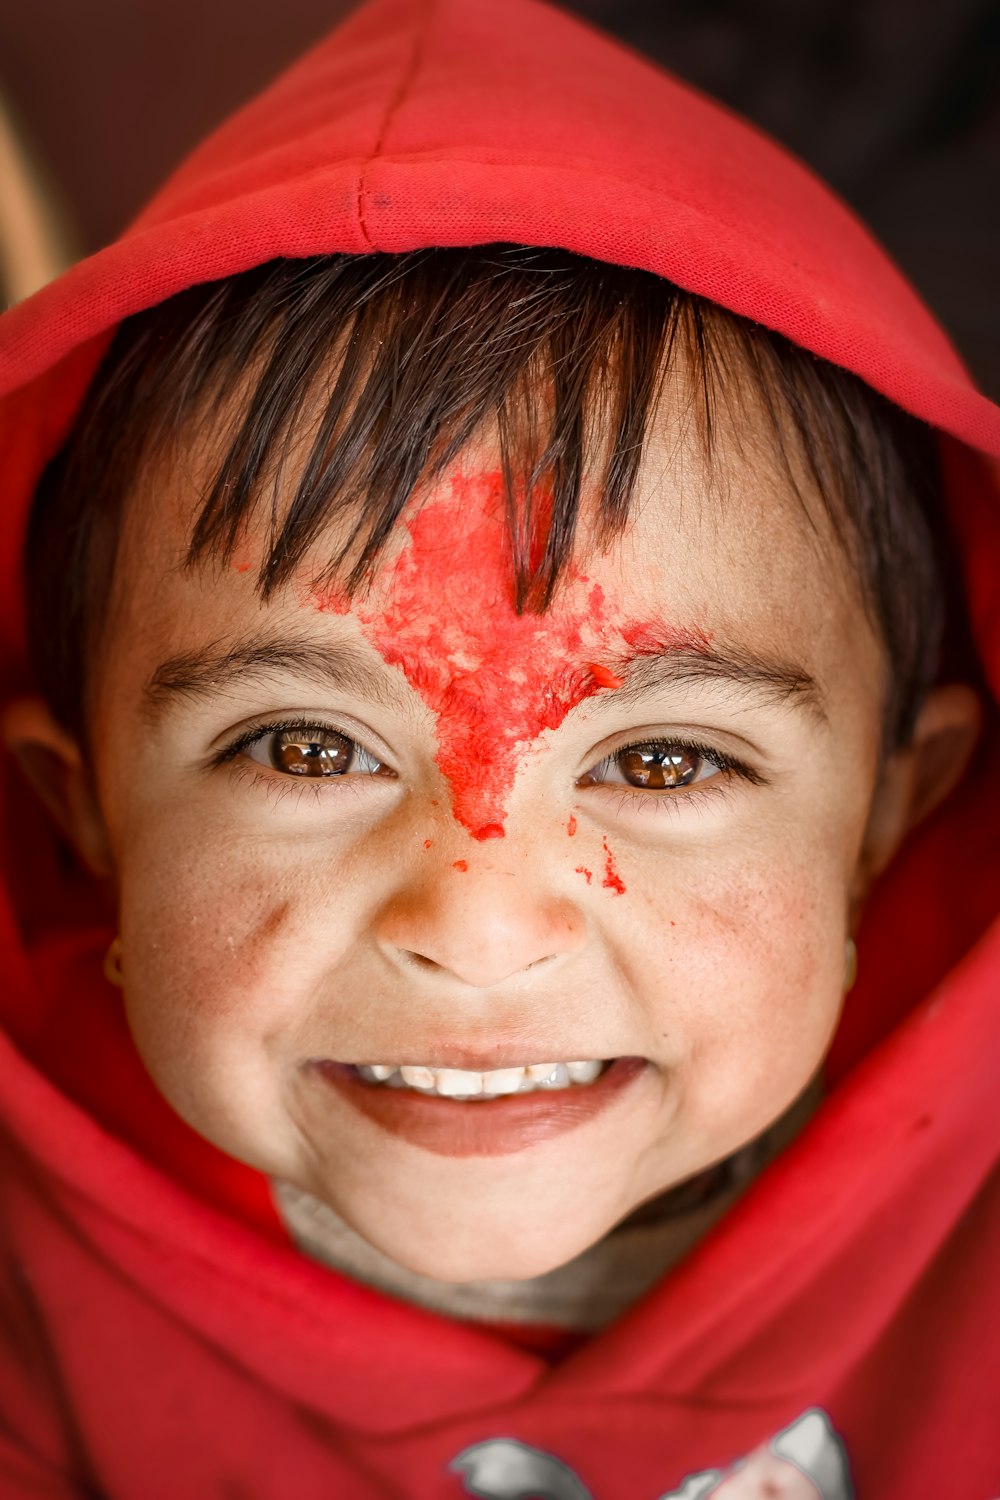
[(52, 762), (920, 775)]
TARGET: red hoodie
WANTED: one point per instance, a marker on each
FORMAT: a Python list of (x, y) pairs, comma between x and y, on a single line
[(159, 1336)]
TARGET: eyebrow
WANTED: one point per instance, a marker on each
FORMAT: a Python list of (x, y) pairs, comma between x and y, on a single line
[(255, 658), (340, 665), (771, 678)]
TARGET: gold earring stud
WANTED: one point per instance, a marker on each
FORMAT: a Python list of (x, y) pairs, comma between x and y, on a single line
[(850, 964), (113, 964)]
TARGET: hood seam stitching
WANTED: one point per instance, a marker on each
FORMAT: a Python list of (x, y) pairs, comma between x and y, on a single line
[(393, 107)]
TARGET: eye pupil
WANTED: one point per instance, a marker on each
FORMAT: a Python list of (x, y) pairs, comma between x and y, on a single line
[(658, 767), (311, 755)]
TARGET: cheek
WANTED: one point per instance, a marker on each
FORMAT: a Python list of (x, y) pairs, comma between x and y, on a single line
[(214, 974), (745, 981)]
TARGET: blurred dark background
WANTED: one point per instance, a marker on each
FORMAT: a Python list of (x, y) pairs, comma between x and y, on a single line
[(895, 102)]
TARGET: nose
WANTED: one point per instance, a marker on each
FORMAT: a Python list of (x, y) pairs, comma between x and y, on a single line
[(479, 926)]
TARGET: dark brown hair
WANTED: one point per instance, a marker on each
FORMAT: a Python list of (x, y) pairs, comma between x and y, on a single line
[(411, 357)]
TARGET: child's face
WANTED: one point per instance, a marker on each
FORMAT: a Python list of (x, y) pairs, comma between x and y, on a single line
[(276, 923)]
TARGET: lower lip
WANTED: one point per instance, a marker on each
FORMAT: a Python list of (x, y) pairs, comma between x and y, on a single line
[(494, 1127)]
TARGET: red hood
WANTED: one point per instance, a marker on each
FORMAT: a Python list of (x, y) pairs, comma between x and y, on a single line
[(455, 122)]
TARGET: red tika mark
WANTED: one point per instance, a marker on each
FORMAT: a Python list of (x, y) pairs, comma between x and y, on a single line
[(460, 864), (588, 875), (603, 676), (612, 880), (488, 831), (496, 680), (571, 825)]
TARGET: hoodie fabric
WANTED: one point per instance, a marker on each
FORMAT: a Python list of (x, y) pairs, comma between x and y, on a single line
[(159, 1334)]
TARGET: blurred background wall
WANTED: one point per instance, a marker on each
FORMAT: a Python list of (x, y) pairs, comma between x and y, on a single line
[(895, 102)]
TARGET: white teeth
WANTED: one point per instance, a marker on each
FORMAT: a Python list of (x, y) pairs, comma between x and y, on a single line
[(418, 1078), (454, 1081), (583, 1072), (502, 1081), (463, 1084)]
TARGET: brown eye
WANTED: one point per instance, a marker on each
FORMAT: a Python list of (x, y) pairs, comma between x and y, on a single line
[(659, 766), (312, 751)]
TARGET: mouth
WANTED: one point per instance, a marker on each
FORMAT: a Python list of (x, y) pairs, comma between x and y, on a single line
[(493, 1112), (468, 1084)]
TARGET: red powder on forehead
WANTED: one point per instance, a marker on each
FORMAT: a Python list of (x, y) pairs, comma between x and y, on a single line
[(496, 680), (612, 880), (588, 875), (653, 639), (460, 864), (603, 676)]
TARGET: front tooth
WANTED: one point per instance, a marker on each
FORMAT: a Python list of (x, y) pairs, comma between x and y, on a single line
[(557, 1079), (503, 1081), (456, 1081), (381, 1071), (539, 1072), (418, 1078), (583, 1072)]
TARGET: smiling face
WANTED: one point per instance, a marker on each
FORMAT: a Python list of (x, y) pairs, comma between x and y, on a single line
[(419, 829)]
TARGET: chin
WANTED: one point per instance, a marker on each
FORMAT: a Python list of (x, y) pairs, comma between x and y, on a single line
[(445, 1266), (483, 1254)]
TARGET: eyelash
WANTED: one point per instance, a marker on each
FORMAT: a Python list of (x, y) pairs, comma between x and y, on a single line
[(650, 800), (657, 801), (285, 785)]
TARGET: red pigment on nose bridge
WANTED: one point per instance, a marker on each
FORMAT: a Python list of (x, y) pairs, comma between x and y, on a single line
[(488, 831), (496, 680)]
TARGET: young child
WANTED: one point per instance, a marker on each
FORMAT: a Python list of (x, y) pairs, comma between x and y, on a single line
[(503, 551)]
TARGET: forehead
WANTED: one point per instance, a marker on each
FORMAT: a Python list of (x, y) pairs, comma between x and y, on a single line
[(731, 546)]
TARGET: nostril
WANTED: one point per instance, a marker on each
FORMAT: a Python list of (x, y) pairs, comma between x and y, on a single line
[(417, 960), (420, 960), (481, 937)]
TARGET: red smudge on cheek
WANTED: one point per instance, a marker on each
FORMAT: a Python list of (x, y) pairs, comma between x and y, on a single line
[(460, 864), (571, 825), (588, 875), (496, 680), (612, 880)]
